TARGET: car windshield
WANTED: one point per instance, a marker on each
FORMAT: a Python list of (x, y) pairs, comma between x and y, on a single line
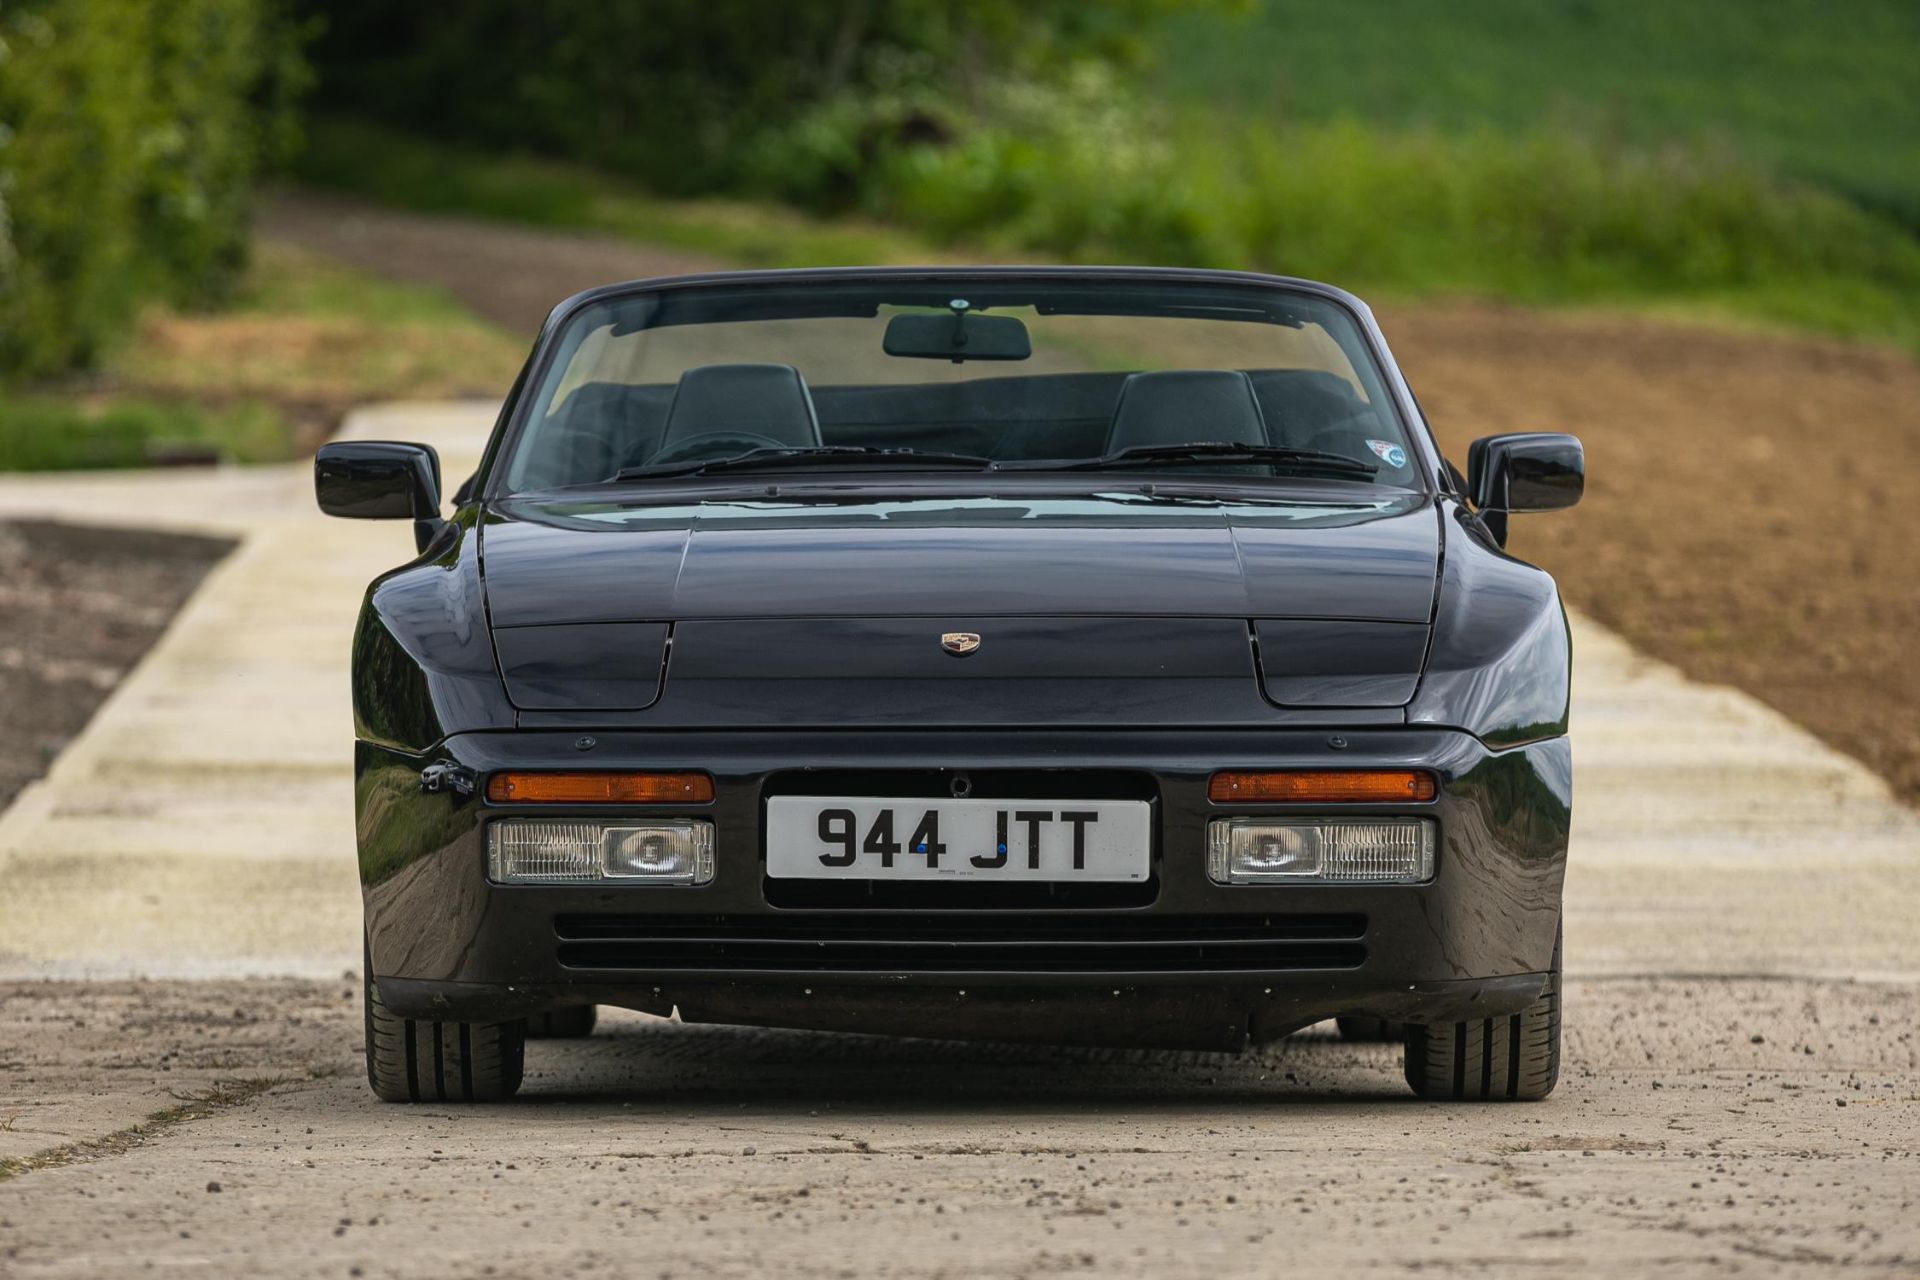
[(924, 373)]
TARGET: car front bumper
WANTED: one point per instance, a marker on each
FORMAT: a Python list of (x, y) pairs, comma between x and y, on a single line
[(1179, 962)]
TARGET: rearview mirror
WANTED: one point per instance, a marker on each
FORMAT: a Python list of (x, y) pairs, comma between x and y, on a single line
[(380, 480), (1530, 471), (961, 335)]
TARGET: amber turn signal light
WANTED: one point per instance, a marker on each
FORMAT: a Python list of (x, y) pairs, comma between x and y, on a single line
[(1323, 786), (599, 788)]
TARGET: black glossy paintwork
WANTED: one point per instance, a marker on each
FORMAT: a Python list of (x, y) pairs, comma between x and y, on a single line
[(1531, 471), (1528, 471), (595, 666), (1360, 553), (1147, 633), (1500, 661), (1106, 672), (1321, 662), (377, 480), (1490, 913), (423, 663), (855, 671)]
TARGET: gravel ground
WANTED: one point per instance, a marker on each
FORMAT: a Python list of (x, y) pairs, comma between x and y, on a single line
[(1725, 1127), (78, 607)]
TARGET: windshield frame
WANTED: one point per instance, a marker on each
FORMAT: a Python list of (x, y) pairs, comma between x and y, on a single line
[(490, 482)]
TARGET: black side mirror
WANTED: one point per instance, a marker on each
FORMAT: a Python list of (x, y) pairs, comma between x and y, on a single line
[(1531, 471), (380, 480)]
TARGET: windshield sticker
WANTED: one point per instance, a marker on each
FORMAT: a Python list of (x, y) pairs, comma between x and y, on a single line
[(1392, 454)]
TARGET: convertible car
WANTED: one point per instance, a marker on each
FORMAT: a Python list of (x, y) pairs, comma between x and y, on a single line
[(1093, 656)]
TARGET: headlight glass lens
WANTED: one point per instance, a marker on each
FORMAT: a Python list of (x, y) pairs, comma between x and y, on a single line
[(1291, 850), (571, 851)]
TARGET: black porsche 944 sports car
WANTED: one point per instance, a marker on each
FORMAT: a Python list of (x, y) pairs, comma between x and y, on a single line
[(1078, 655)]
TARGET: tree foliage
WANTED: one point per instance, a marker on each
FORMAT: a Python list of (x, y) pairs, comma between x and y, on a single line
[(676, 93), (130, 133)]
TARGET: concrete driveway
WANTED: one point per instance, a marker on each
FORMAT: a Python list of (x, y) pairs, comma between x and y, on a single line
[(1742, 1091)]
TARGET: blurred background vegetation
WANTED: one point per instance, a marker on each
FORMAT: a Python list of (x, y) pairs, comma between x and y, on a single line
[(131, 132), (1759, 159), (1756, 163)]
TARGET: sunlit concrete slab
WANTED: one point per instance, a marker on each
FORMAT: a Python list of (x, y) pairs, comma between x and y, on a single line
[(202, 823), (1713, 835)]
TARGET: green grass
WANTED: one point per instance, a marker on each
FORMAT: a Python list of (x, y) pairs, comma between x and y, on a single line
[(260, 380), (1755, 164), (283, 281), (50, 432), (431, 177), (305, 331), (1821, 92), (1549, 217)]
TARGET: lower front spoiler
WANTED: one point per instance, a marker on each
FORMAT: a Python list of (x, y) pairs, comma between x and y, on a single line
[(1224, 1012)]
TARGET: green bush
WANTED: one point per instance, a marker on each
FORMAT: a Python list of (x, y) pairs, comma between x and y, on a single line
[(60, 433), (130, 133), (1819, 92), (676, 92), (1024, 128), (1550, 215)]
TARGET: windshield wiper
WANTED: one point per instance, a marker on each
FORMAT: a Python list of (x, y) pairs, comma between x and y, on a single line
[(1207, 451), (801, 456), (772, 459)]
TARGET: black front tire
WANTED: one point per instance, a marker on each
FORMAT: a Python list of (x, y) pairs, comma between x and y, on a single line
[(1511, 1059), (563, 1024), (412, 1060)]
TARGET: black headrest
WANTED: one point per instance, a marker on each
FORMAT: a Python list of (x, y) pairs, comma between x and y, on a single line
[(1181, 406), (753, 399)]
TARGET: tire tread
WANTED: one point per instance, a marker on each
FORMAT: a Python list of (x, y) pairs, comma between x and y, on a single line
[(1513, 1058), (465, 1062)]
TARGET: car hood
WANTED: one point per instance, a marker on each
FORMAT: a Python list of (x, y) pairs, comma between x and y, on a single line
[(559, 561)]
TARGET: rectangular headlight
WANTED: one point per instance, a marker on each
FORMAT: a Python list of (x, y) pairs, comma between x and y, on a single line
[(571, 851), (1292, 850)]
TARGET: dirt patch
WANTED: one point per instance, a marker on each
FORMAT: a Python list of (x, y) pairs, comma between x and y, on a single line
[(1753, 506), (313, 370), (1753, 503), (78, 607), (510, 275)]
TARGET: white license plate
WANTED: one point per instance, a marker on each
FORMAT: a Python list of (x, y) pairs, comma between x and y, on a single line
[(889, 838)]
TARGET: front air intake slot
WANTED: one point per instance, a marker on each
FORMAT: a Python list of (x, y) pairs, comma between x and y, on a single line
[(865, 944)]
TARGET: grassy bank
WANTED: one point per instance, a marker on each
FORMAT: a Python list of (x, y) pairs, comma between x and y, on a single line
[(51, 431), (432, 177), (130, 136), (1549, 217), (261, 380), (1811, 92)]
